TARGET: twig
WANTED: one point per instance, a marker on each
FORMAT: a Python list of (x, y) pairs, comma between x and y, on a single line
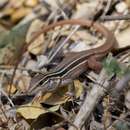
[(107, 7), (127, 55), (116, 17), (3, 92), (120, 86), (15, 68), (60, 6)]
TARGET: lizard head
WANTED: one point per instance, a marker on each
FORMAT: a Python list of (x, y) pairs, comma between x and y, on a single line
[(43, 83)]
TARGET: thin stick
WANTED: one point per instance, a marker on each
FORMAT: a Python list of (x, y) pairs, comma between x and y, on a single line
[(116, 17), (4, 93), (64, 42), (107, 7)]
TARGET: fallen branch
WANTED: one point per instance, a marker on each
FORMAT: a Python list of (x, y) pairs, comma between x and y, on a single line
[(91, 100)]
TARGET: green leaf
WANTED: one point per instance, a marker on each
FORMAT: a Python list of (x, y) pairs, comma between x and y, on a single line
[(112, 66)]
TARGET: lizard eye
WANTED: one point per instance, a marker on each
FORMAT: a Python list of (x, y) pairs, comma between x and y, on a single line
[(41, 82)]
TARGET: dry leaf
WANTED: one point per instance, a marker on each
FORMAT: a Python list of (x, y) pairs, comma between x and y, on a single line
[(57, 97), (20, 13), (24, 83), (123, 38), (85, 7), (60, 95), (16, 3), (85, 36), (32, 111), (78, 88), (12, 90), (37, 46), (31, 3), (8, 11)]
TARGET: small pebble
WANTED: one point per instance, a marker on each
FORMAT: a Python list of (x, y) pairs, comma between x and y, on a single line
[(121, 7)]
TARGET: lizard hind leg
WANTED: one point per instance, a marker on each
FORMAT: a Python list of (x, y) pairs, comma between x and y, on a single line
[(94, 64)]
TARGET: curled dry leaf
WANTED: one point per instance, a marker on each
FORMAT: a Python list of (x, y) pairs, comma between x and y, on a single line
[(60, 96), (37, 46)]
